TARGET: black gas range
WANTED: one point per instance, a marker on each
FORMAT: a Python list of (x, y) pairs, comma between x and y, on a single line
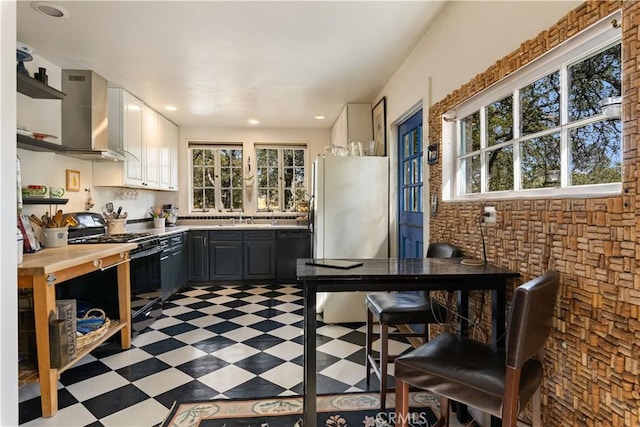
[(146, 294)]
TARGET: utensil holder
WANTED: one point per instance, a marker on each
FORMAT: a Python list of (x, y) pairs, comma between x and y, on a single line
[(116, 226), (54, 237), (158, 223)]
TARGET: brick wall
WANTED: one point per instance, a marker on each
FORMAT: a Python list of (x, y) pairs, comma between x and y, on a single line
[(593, 356)]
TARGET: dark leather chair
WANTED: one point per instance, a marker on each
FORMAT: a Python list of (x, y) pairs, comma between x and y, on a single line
[(392, 309), (494, 380)]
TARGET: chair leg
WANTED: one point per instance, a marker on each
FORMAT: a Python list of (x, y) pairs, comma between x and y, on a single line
[(384, 363), (536, 408), (402, 403), (444, 412), (510, 403), (368, 353)]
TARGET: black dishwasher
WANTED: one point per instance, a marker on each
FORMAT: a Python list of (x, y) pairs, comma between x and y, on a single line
[(291, 245)]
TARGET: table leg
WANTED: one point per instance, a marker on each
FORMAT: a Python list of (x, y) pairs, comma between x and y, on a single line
[(309, 379), (498, 326), (462, 412), (124, 303), (44, 304)]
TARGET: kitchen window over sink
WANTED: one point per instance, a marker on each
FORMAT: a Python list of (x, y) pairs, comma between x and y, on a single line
[(216, 177), (280, 177)]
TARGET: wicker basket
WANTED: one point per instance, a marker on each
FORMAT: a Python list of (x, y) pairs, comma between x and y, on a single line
[(93, 336)]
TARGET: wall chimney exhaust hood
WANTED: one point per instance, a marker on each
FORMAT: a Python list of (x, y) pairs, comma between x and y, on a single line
[(84, 117)]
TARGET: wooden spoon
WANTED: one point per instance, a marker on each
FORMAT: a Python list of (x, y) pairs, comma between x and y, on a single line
[(57, 219)]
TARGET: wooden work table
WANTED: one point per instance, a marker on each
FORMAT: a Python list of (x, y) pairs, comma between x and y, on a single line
[(42, 272)]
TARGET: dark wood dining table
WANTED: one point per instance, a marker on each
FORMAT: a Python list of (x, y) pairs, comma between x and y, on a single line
[(382, 274)]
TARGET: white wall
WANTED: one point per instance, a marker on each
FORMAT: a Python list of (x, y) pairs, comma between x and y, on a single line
[(468, 37), (8, 252), (316, 140)]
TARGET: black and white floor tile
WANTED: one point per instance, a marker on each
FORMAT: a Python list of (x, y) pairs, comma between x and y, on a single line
[(212, 342)]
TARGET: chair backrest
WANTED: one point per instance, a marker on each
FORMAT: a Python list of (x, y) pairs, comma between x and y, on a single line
[(532, 308), (443, 250)]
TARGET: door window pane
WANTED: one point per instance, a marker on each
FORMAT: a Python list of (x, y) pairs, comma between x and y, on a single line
[(595, 153), (540, 104), (540, 165)]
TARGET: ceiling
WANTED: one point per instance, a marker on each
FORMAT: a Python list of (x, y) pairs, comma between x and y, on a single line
[(224, 62)]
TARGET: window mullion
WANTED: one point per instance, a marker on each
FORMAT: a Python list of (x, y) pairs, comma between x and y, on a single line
[(564, 133), (517, 163), (484, 187), (216, 177)]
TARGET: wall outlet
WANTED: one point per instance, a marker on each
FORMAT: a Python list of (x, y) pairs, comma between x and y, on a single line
[(489, 214)]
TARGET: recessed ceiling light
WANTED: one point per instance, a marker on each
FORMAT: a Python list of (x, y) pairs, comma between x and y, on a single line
[(320, 117), (50, 9), (171, 107), (253, 121)]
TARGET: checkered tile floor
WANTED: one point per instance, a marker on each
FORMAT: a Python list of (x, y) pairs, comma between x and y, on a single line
[(212, 342)]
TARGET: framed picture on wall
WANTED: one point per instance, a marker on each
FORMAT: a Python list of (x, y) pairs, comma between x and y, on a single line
[(73, 180), (432, 154), (380, 127)]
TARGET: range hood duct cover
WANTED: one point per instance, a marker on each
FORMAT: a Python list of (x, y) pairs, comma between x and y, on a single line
[(84, 117)]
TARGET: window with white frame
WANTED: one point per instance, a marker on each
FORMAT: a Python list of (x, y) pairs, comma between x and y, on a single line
[(552, 127), (280, 177), (216, 177)]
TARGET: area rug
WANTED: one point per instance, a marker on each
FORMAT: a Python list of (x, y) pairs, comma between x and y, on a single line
[(344, 410)]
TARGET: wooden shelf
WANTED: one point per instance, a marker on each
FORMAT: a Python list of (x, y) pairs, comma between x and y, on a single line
[(30, 375), (43, 201), (32, 144), (36, 89)]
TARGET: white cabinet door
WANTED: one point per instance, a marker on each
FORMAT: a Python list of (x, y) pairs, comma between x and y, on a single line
[(174, 144), (151, 151), (132, 138), (168, 155)]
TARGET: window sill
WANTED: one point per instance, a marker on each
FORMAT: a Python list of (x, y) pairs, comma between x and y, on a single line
[(578, 192)]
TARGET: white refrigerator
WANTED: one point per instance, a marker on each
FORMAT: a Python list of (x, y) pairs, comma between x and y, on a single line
[(350, 219)]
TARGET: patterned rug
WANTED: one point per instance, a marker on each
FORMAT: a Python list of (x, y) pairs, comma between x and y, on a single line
[(345, 410)]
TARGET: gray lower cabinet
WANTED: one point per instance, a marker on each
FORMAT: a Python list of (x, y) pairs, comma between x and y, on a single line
[(291, 244), (259, 255), (225, 255), (236, 255), (198, 254), (172, 264)]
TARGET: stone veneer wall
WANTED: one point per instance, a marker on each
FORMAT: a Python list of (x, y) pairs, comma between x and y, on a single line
[(592, 358)]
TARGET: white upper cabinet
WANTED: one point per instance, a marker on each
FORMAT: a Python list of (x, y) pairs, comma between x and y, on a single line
[(353, 125), (169, 156), (143, 134), (151, 156)]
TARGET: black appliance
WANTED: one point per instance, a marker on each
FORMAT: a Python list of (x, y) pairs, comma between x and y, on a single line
[(99, 288)]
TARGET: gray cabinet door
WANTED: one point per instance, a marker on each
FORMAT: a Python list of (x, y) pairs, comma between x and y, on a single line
[(198, 256), (291, 245), (259, 255), (225, 260)]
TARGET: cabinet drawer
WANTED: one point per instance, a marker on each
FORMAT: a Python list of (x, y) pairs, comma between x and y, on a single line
[(293, 234), (259, 235), (225, 235)]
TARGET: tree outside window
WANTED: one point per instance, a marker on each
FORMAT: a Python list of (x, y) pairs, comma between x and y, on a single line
[(511, 146), (216, 178), (280, 175)]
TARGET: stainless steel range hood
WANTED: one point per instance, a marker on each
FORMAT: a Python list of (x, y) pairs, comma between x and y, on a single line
[(84, 117)]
